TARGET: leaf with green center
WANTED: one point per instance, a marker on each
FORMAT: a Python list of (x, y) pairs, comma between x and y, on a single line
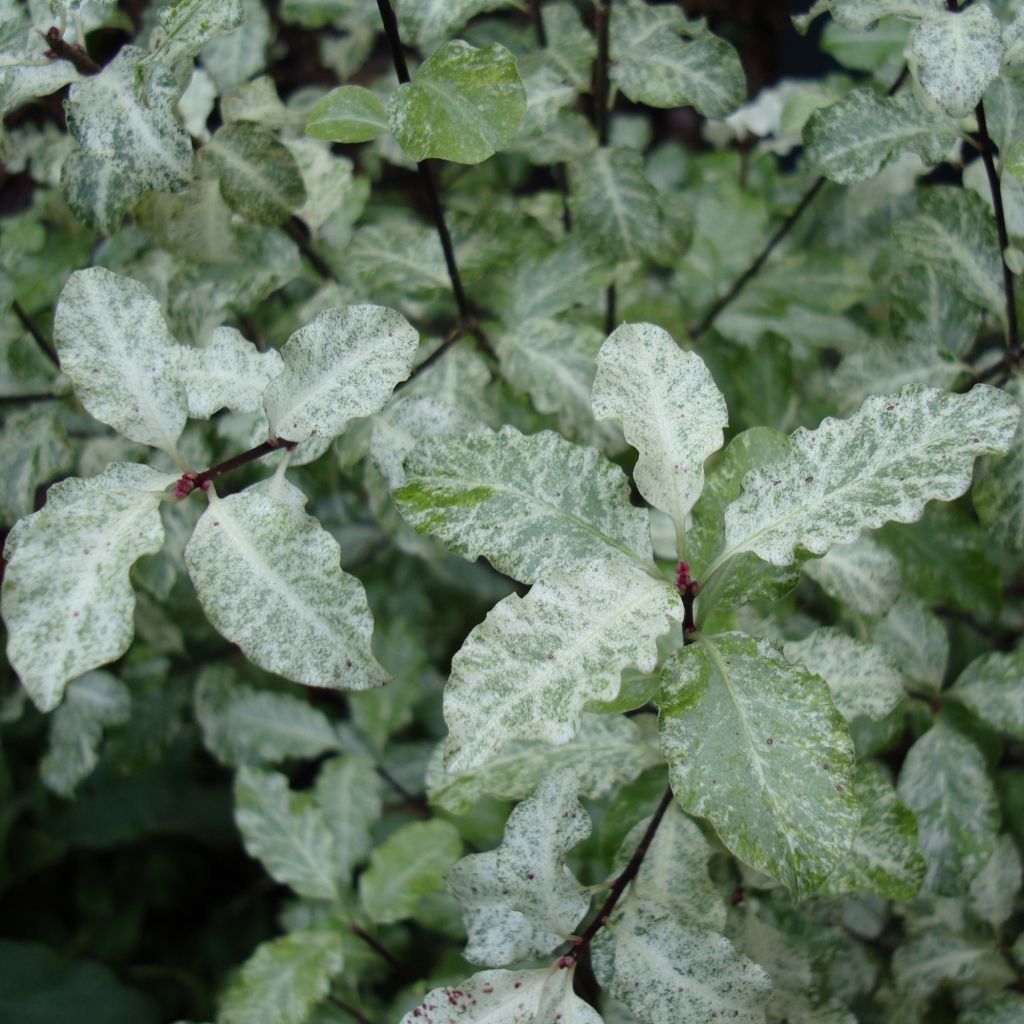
[(463, 105), (992, 686), (520, 901), (945, 782), (883, 463), (349, 113), (529, 504), (114, 344), (670, 411), (259, 177), (230, 373), (607, 751), (35, 450), (269, 579), (884, 858), (283, 980), (347, 790), (535, 662), (135, 131), (916, 639), (408, 865), (955, 56), (670, 974), (999, 494), (755, 745), (862, 574), (183, 26), (852, 140), (927, 961), (93, 703), (344, 364), (864, 13), (98, 191), (67, 601), (286, 831)]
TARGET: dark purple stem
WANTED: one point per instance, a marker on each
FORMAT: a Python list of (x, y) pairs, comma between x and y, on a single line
[(40, 339), (84, 64), (192, 481)]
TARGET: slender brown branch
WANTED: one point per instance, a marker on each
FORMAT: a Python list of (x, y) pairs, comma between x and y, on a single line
[(602, 22), (40, 339), (350, 1010), (296, 231), (453, 336), (191, 481), (538, 22), (376, 947), (59, 47), (619, 885)]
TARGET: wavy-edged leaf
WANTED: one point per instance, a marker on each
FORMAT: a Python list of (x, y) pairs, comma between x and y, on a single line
[(535, 662), (67, 601), (409, 864), (114, 344), (883, 463), (670, 974), (992, 686), (286, 831), (852, 140), (183, 26), (884, 858), (464, 104), (529, 504), (269, 579), (862, 574), (945, 782), (756, 745), (344, 364), (229, 373), (349, 113), (608, 750), (670, 409)]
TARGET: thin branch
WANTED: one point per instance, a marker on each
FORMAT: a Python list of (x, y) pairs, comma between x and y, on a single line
[(602, 119), (350, 1010), (192, 481), (410, 798), (296, 231), (453, 336), (59, 47), (538, 22), (376, 947), (40, 339)]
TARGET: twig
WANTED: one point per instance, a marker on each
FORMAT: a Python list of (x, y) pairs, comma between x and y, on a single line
[(192, 481), (453, 336), (602, 119), (559, 171), (411, 798), (40, 339), (538, 22), (350, 1010), (59, 47), (296, 231), (376, 947)]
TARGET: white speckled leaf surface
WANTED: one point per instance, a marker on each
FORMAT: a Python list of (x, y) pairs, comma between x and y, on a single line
[(528, 503), (992, 686), (269, 579), (67, 601), (424, 22), (230, 373), (669, 974), (489, 997), (756, 746), (917, 640), (185, 25), (885, 462), (858, 14), (999, 494), (862, 574), (347, 790), (344, 364), (535, 662), (114, 344), (670, 409), (993, 891)]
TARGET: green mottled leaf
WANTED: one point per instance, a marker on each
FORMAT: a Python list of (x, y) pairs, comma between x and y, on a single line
[(864, 13), (424, 22), (861, 574), (269, 579), (884, 858), (999, 494), (399, 255), (992, 686), (410, 863), (755, 745), (929, 960), (236, 56), (852, 140), (67, 602), (230, 373), (286, 831), (183, 26), (463, 105), (917, 641), (35, 450), (344, 364), (994, 889), (349, 113), (114, 344), (98, 191), (530, 668), (521, 901), (1001, 1008), (670, 411), (347, 790), (944, 781), (670, 974), (529, 504)]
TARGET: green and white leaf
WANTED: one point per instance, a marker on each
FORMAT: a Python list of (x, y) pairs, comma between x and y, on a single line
[(286, 831), (425, 22), (464, 104), (956, 55), (945, 782), (236, 56), (994, 889), (852, 140), (608, 750), (283, 980), (98, 191), (884, 859), (344, 364), (67, 601), (861, 14), (863, 677), (95, 702), (35, 450), (229, 373), (521, 901), (670, 974), (529, 504), (755, 745), (999, 494), (269, 579), (349, 113), (670, 409), (531, 667), (183, 26), (490, 997), (992, 686), (883, 463), (862, 574), (114, 344), (408, 865), (917, 641), (117, 120), (347, 790), (930, 959)]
